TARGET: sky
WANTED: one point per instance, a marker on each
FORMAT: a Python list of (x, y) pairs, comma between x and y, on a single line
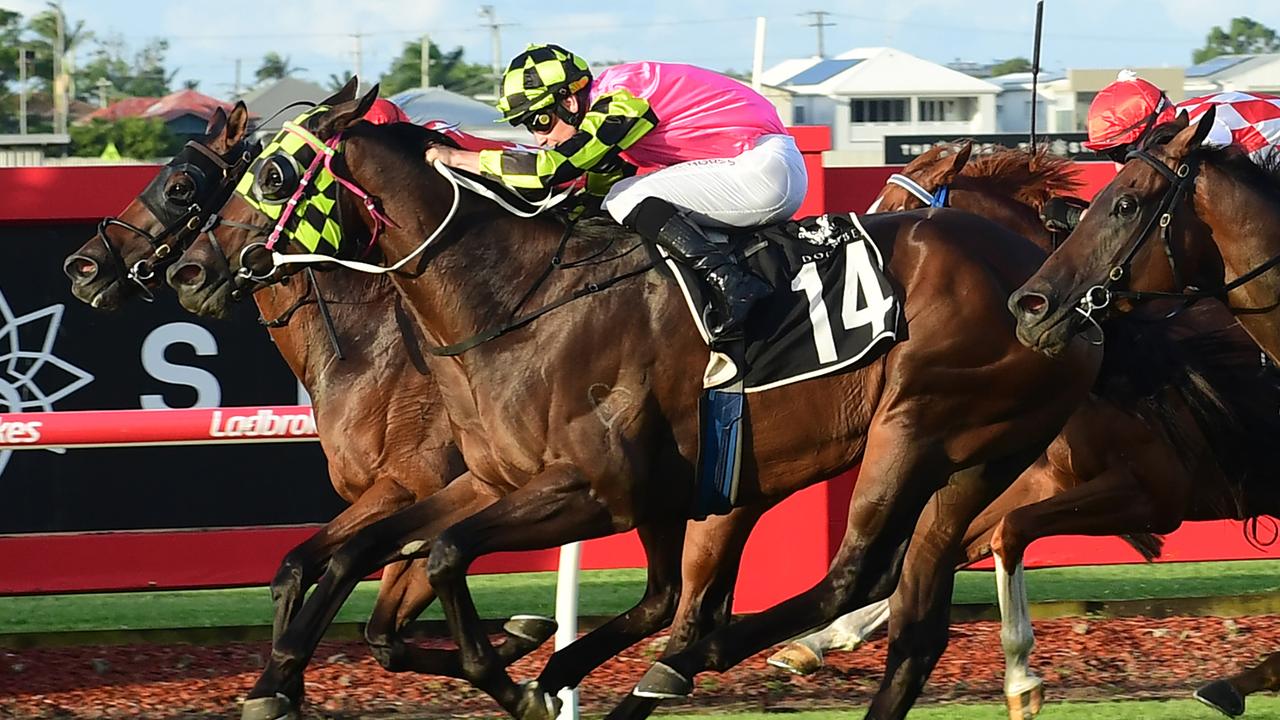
[(206, 38)]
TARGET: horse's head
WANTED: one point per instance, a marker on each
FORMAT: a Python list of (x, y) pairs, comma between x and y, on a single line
[(916, 186), (122, 258), (1109, 259), (289, 199)]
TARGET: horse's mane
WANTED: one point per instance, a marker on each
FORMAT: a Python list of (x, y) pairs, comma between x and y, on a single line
[(1029, 178), (1220, 379), (1263, 175)]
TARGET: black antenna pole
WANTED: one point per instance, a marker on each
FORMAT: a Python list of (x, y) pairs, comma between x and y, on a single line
[(1035, 72)]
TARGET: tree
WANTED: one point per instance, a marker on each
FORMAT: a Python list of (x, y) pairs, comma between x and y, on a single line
[(1012, 65), (10, 33), (336, 82), (275, 67), (140, 138), (448, 70), (1244, 36), (142, 75)]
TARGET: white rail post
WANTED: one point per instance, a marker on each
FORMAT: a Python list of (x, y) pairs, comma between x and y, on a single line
[(567, 617)]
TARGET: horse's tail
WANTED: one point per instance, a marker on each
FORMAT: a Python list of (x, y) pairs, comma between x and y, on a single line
[(1218, 378)]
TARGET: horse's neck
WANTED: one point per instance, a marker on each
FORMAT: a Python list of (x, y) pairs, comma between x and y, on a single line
[(1004, 210), (361, 307), (1246, 234)]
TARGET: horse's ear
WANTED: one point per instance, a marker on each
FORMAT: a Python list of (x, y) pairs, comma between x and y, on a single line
[(217, 121), (345, 115), (237, 124), (346, 93), (1189, 138), (955, 162)]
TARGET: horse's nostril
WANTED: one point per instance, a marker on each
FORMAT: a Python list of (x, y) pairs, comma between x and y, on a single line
[(190, 275), (1033, 303), (80, 268)]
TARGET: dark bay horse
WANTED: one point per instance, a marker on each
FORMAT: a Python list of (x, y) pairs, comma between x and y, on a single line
[(378, 411), (1178, 218), (959, 410)]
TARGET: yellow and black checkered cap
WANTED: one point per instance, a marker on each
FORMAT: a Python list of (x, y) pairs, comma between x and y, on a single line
[(314, 219), (538, 77)]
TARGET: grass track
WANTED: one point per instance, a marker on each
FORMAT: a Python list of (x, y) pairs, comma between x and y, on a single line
[(605, 592)]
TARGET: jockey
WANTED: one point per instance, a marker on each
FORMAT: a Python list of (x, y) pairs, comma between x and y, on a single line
[(1124, 112), (720, 154)]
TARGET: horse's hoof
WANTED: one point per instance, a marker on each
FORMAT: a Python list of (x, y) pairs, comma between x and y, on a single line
[(796, 658), (663, 683), (1027, 703), (533, 628), (1221, 696), (277, 707), (538, 704)]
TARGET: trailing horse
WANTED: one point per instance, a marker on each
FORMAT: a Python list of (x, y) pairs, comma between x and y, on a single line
[(1216, 214), (957, 409)]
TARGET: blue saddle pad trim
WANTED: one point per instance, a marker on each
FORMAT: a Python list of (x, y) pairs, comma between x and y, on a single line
[(721, 430)]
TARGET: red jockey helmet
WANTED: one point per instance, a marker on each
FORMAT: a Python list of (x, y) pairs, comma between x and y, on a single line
[(1124, 111)]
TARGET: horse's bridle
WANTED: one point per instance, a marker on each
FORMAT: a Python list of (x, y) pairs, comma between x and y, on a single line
[(936, 199), (189, 220)]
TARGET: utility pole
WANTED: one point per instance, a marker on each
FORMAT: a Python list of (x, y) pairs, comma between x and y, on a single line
[(103, 84), (819, 21), (59, 79), (424, 67), (359, 37), (22, 90), (495, 41), (237, 85)]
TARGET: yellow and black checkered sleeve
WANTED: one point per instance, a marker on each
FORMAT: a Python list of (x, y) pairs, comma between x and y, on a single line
[(614, 123)]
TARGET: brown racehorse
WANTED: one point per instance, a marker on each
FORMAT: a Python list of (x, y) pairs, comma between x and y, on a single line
[(959, 410), (378, 411), (1178, 218), (1179, 477)]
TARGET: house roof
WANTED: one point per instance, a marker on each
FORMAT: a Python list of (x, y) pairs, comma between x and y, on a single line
[(874, 71), (437, 103), (167, 108), (267, 99), (1221, 64)]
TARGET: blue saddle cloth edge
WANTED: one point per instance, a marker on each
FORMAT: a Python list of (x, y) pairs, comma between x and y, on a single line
[(721, 429)]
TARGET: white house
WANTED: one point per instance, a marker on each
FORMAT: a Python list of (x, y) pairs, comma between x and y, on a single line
[(1013, 104), (866, 94), (1245, 73), (472, 116)]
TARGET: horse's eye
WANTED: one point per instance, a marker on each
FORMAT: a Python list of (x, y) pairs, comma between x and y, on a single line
[(277, 179), (1126, 206), (181, 189)]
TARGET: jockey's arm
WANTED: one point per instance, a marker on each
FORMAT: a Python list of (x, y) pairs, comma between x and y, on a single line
[(615, 122)]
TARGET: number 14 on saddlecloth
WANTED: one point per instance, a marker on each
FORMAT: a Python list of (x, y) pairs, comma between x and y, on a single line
[(861, 283)]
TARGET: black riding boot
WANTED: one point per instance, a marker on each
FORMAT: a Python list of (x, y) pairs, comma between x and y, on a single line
[(734, 288)]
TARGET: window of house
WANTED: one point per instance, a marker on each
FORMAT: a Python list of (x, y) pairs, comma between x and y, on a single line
[(880, 110), (960, 109), (797, 114)]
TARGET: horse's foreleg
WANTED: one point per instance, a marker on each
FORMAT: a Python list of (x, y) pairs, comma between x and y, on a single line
[(921, 602), (1023, 689), (554, 508), (304, 564), (401, 536), (654, 611), (712, 557)]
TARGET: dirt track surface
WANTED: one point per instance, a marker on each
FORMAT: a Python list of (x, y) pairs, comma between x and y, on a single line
[(1133, 657)]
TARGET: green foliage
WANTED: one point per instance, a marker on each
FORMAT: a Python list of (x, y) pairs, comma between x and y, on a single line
[(1012, 65), (448, 70), (275, 67), (141, 138), (1242, 37), (142, 75)]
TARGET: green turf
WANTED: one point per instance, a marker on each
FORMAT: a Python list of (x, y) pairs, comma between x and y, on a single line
[(1260, 708), (605, 592)]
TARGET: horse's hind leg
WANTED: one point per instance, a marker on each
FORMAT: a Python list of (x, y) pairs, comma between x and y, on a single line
[(1227, 695), (899, 474), (555, 508), (921, 603)]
